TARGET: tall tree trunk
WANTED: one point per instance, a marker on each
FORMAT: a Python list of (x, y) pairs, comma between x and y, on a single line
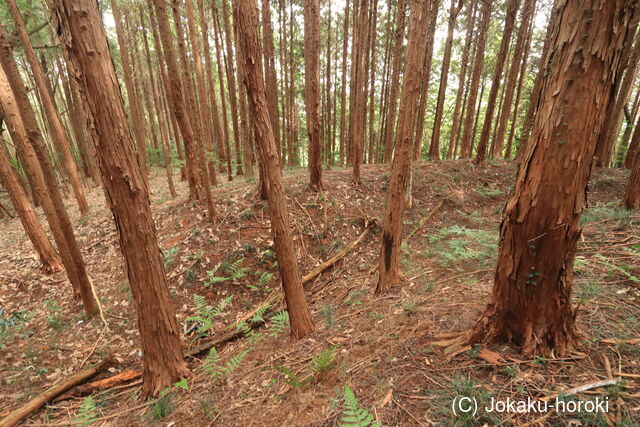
[(632, 193), (343, 91), (390, 274), (357, 117), (162, 125), (390, 126), (246, 13), (59, 137), (534, 98), (53, 206), (174, 90), (270, 72), (203, 111), (372, 78), (127, 71), (512, 78), (434, 148), (49, 258), (86, 48), (478, 63), (512, 10), (245, 132), (231, 81), (630, 117), (521, 79), (462, 76), (223, 98), (312, 90), (610, 129), (531, 302), (425, 86), (634, 147)]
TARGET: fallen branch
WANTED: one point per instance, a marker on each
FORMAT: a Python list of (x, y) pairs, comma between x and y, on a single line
[(103, 384), (21, 413), (580, 389)]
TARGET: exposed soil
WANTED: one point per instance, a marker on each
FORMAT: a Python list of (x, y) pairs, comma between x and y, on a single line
[(388, 350)]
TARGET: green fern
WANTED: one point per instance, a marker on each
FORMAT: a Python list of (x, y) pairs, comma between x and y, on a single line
[(202, 321), (263, 280), (279, 322), (354, 415), (324, 360), (88, 412), (233, 271), (291, 377), (252, 336), (235, 361), (212, 364), (258, 316)]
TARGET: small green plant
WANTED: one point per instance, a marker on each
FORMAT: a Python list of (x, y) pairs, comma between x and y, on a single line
[(12, 324), (354, 298), (202, 321), (457, 243), (292, 378), (539, 361), (324, 361), (607, 211), (170, 255), (87, 413), (278, 323), (232, 271), (327, 315), (353, 414), (264, 279), (162, 406), (214, 367), (54, 313), (489, 192), (410, 307), (248, 214)]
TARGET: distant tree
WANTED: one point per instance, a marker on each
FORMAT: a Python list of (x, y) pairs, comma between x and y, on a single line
[(312, 90), (79, 25), (531, 301)]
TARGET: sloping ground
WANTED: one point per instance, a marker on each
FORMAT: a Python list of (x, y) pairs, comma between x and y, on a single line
[(381, 348)]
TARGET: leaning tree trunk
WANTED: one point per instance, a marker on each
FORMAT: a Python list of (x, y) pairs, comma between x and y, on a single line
[(531, 301), (312, 90), (390, 274), (54, 208), (86, 48), (270, 72), (246, 13), (59, 136), (49, 258)]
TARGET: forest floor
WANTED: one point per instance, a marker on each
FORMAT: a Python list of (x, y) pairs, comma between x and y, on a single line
[(384, 348)]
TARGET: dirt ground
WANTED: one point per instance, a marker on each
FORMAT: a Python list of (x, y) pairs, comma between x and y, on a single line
[(388, 350)]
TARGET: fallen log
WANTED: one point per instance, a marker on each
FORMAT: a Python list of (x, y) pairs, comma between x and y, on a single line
[(24, 411), (103, 384)]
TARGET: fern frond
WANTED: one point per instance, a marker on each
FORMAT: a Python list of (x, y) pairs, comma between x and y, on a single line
[(324, 360), (279, 322), (235, 361), (258, 316), (88, 412), (221, 306), (354, 415), (212, 364)]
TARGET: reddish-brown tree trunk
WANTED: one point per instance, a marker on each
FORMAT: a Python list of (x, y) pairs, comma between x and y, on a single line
[(312, 90), (343, 91), (270, 72), (462, 76), (390, 274), (50, 260), (55, 123), (531, 302), (54, 209), (489, 119), (202, 112), (434, 148), (390, 126), (86, 48), (512, 78), (174, 91), (246, 13), (632, 193), (634, 147), (478, 63)]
